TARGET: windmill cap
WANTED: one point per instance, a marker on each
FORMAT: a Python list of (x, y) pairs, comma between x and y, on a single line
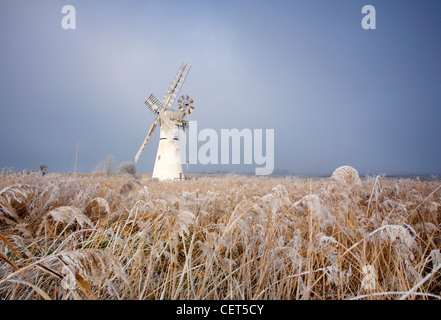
[(174, 114)]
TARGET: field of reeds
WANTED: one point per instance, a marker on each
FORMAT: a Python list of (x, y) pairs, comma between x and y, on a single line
[(93, 236)]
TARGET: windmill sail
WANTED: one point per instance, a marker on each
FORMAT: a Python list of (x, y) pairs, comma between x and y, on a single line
[(149, 134), (168, 164), (153, 104), (176, 85)]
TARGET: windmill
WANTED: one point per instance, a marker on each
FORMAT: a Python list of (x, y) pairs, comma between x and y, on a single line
[(168, 158)]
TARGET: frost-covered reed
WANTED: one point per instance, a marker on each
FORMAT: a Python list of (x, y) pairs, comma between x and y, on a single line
[(218, 237)]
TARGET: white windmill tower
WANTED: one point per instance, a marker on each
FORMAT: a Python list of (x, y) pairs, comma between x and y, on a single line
[(168, 164)]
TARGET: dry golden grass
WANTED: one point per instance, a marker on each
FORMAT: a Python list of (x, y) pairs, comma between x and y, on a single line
[(218, 237)]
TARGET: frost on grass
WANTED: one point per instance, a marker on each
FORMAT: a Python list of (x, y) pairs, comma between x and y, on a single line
[(96, 267), (98, 204), (68, 215), (369, 281), (435, 255), (346, 175), (218, 237), (402, 235), (14, 200)]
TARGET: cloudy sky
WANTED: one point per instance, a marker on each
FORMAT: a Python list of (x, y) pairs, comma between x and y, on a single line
[(333, 92)]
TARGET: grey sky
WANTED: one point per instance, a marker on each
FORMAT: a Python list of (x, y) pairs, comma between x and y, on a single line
[(333, 92)]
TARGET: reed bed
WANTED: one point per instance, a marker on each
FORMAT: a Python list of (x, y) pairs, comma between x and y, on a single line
[(218, 237)]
